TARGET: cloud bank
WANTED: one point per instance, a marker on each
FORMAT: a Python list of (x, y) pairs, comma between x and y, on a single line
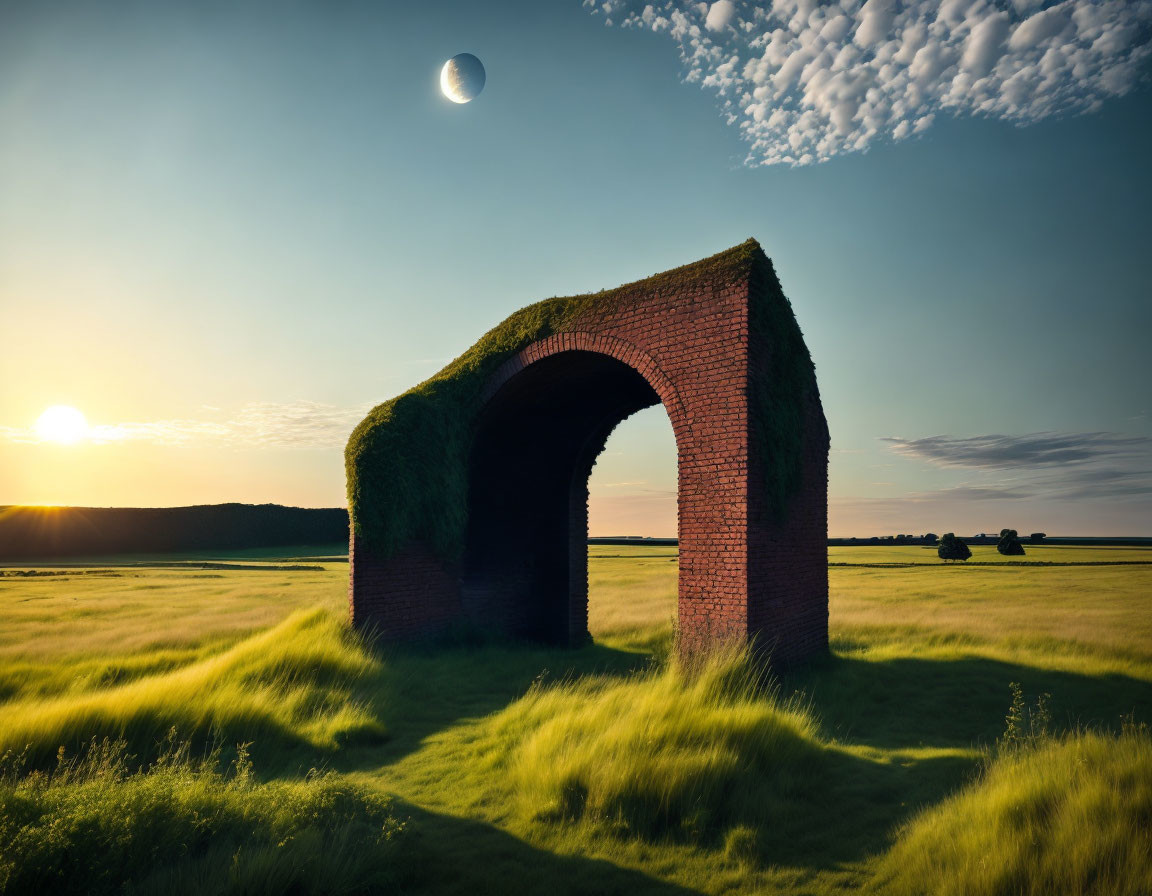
[(998, 452), (1044, 465), (806, 80)]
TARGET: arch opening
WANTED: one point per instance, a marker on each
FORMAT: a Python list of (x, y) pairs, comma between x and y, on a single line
[(525, 564), (632, 492)]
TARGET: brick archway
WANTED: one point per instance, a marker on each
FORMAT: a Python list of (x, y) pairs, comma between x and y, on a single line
[(716, 343), (547, 415)]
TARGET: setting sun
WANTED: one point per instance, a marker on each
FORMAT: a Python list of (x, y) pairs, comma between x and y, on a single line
[(62, 424)]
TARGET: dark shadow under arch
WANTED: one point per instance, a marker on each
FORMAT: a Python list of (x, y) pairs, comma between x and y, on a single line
[(536, 442)]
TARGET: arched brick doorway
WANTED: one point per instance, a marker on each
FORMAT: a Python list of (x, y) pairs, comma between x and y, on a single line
[(523, 417), (542, 428)]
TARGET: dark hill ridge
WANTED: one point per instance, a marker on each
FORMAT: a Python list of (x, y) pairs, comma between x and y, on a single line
[(31, 532)]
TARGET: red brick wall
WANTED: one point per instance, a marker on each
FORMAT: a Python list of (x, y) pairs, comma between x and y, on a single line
[(744, 572), (409, 596)]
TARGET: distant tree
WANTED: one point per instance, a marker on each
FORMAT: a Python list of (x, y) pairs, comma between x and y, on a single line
[(952, 548), (1009, 544), (1037, 537), (931, 538)]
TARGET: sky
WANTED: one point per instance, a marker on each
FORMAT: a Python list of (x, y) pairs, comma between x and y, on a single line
[(229, 229)]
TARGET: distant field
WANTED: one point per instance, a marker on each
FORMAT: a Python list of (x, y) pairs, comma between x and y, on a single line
[(989, 554), (512, 768), (293, 553), (837, 555)]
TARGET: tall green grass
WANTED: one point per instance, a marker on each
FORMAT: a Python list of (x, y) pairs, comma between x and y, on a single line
[(96, 825), (294, 684), (1060, 815), (615, 774), (680, 750), (75, 632)]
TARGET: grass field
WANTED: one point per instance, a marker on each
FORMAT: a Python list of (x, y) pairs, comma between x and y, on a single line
[(509, 768)]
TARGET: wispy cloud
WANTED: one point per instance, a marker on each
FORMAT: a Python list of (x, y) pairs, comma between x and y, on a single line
[(1044, 465), (998, 452), (805, 81), (300, 424), (992, 492)]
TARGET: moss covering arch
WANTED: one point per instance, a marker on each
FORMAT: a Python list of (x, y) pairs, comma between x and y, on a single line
[(407, 461)]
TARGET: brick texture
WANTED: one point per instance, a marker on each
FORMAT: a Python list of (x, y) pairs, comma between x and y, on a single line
[(746, 570)]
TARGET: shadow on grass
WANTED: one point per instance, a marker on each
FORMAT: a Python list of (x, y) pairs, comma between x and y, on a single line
[(853, 806), (420, 691), (412, 693), (959, 703), (886, 704), (447, 855), (843, 810), (838, 809)]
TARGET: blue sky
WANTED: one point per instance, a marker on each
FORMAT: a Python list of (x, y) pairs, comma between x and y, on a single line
[(228, 229)]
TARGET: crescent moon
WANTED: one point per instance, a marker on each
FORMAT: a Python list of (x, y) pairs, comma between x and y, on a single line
[(462, 78), (448, 84)]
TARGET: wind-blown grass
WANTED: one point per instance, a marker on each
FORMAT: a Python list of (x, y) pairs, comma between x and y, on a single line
[(75, 632), (293, 684), (1066, 815), (680, 750), (95, 826)]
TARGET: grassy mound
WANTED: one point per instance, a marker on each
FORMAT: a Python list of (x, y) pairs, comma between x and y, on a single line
[(293, 684), (1070, 815), (183, 826), (679, 752)]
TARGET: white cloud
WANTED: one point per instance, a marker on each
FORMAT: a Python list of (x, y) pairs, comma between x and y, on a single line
[(875, 20), (806, 81), (985, 45), (719, 15)]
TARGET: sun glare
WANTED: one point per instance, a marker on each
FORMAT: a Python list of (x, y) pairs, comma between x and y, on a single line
[(61, 424)]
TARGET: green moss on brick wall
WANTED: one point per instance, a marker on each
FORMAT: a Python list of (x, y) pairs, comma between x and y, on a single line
[(782, 390), (407, 461)]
